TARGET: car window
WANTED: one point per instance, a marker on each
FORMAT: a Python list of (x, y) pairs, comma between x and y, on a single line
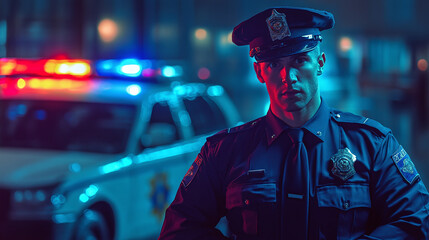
[(61, 125), (161, 128), (205, 115)]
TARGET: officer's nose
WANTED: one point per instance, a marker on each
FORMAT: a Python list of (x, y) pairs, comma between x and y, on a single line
[(288, 76)]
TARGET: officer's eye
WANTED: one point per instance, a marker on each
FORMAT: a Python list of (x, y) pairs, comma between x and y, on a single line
[(274, 64), (300, 59)]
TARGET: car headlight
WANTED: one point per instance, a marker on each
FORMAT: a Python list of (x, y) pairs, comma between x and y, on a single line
[(57, 200), (44, 198)]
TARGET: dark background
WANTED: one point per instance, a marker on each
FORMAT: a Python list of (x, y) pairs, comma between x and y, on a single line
[(377, 53)]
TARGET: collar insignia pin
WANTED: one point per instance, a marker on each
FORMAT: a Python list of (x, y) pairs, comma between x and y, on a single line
[(277, 26), (343, 164)]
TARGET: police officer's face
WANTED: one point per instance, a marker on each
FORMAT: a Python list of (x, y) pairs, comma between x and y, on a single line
[(292, 82)]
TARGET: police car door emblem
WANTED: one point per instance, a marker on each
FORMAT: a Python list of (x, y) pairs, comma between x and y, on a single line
[(159, 194), (277, 26), (343, 164)]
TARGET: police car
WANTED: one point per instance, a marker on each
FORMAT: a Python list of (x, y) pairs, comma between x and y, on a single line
[(86, 153)]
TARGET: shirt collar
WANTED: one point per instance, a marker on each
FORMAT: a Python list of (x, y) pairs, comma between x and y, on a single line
[(317, 125)]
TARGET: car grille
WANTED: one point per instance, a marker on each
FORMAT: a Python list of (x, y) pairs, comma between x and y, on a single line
[(10, 230), (4, 204)]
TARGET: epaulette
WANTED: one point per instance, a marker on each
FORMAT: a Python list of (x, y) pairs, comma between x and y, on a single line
[(236, 129), (345, 118)]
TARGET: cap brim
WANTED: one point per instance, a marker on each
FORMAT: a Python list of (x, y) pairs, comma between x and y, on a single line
[(292, 49)]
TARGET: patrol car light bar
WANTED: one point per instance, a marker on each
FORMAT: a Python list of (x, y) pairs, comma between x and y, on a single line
[(136, 68), (121, 68), (45, 67), (79, 68), (10, 86), (41, 85)]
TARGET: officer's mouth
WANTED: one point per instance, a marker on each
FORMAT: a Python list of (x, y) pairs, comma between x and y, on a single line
[(290, 92)]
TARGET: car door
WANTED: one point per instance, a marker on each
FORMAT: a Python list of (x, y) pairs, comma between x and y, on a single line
[(158, 169)]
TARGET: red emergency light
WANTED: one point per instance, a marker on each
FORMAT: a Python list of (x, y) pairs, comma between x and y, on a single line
[(45, 67), (12, 86)]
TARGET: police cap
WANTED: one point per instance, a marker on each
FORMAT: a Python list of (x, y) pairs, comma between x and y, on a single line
[(282, 31)]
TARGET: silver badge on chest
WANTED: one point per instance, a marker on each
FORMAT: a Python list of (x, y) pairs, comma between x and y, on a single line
[(343, 164)]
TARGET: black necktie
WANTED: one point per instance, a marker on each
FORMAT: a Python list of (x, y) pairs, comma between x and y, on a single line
[(295, 189)]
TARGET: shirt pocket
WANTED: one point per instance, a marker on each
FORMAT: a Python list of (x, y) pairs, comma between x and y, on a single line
[(345, 206), (248, 205), (250, 194)]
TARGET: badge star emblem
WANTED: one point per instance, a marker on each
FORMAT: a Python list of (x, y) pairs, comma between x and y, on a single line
[(277, 26), (343, 164)]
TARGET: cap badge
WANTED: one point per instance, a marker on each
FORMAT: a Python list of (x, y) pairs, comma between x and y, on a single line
[(277, 26), (343, 164)]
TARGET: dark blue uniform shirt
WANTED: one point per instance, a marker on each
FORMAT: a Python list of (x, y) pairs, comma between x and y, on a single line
[(238, 175)]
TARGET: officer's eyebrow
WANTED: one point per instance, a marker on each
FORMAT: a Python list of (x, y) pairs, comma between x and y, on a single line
[(302, 54), (310, 54)]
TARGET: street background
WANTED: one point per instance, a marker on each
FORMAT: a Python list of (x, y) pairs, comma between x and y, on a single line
[(377, 54)]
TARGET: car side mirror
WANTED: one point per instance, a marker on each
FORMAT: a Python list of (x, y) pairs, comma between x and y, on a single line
[(158, 134)]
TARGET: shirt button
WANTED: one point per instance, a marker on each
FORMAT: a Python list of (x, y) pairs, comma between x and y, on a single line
[(273, 136), (346, 205), (319, 133)]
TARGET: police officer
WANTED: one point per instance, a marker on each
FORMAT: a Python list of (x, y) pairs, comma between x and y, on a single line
[(305, 170)]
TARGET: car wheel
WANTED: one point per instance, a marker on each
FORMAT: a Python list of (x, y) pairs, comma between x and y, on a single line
[(91, 226)]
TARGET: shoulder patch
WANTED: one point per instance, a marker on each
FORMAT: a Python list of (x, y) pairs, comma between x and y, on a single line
[(405, 165), (350, 118), (192, 171)]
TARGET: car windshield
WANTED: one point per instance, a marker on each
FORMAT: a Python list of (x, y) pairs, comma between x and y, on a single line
[(60, 125)]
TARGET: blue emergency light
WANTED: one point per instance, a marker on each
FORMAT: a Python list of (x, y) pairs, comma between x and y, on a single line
[(136, 68), (79, 68)]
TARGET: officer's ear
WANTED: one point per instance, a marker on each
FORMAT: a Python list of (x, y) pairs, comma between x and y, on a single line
[(257, 67), (321, 61)]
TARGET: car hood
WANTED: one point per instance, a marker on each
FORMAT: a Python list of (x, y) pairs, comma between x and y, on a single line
[(30, 168)]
